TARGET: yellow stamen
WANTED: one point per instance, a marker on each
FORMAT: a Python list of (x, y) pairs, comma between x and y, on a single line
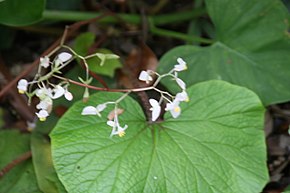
[(121, 133), (176, 109), (21, 91), (42, 118)]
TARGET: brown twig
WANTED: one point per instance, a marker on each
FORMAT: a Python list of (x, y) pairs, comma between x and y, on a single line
[(103, 89), (19, 104), (15, 162)]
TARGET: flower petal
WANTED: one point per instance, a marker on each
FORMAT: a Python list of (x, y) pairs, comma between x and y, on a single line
[(42, 114), (156, 109), (44, 61), (145, 76), (89, 110), (68, 95), (181, 83), (64, 56), (58, 92), (22, 86), (182, 96), (101, 107)]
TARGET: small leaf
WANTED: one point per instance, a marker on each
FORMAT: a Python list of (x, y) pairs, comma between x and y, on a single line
[(104, 65), (216, 145), (21, 13)]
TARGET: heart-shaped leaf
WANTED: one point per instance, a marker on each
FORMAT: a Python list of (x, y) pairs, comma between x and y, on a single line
[(216, 145), (21, 13), (252, 49)]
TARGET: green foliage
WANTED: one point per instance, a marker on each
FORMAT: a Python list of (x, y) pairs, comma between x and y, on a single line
[(104, 62), (21, 13), (252, 49), (22, 177), (47, 179), (216, 145)]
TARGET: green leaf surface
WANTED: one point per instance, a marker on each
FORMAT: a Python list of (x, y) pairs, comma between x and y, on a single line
[(21, 13), (252, 49), (21, 178), (216, 145), (45, 173)]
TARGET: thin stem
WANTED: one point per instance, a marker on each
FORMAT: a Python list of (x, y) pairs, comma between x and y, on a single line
[(122, 97), (129, 18), (178, 35), (103, 89), (14, 163)]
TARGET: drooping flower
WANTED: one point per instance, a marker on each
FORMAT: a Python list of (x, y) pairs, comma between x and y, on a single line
[(89, 110), (181, 65), (173, 108), (42, 93), (57, 92), (180, 83), (45, 104), (42, 114), (44, 62), (101, 107), (68, 95), (145, 76), (116, 128), (22, 86), (156, 109), (64, 56), (182, 96)]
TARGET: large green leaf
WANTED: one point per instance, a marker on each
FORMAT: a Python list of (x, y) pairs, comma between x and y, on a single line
[(216, 145), (21, 178), (252, 49), (44, 170), (21, 13)]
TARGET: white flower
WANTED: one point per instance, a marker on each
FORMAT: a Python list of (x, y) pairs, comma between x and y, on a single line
[(101, 107), (181, 65), (156, 109), (45, 104), (44, 62), (116, 128), (57, 92), (64, 56), (68, 95), (182, 96), (22, 86), (42, 93), (89, 110), (181, 83), (174, 108), (42, 114), (145, 76)]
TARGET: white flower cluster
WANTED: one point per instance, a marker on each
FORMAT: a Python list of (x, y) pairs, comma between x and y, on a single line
[(46, 91), (172, 101), (172, 105), (113, 120)]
